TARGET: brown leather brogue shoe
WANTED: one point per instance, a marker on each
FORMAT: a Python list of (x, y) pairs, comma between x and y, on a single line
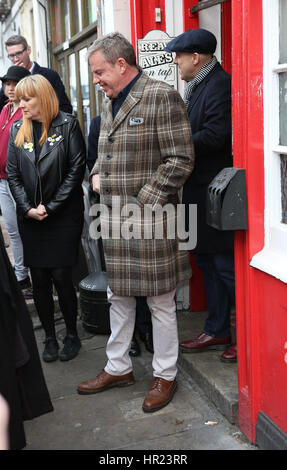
[(103, 381), (204, 342), (159, 395), (230, 355)]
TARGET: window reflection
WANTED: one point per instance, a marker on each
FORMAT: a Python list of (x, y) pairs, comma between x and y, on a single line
[(57, 17), (77, 12), (283, 104), (284, 187), (282, 34), (283, 107), (67, 19), (63, 74), (93, 10), (73, 83), (84, 74)]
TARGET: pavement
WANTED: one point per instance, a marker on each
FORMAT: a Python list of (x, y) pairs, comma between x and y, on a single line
[(113, 420), (201, 416)]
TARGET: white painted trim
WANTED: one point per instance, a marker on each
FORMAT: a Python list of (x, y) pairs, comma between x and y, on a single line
[(174, 27), (40, 35), (174, 17), (210, 19), (270, 262), (281, 149), (272, 259), (280, 68), (108, 20)]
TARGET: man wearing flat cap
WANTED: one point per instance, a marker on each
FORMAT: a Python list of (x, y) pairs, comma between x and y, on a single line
[(208, 101)]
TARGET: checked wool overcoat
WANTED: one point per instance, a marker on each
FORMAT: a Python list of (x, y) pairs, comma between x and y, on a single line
[(145, 155)]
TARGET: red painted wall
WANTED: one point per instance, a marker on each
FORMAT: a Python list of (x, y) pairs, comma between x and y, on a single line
[(190, 19), (226, 40), (143, 18), (248, 138), (273, 348), (261, 300)]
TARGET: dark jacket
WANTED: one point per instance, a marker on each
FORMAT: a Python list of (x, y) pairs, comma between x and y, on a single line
[(57, 174), (93, 140), (57, 84), (22, 382), (210, 118)]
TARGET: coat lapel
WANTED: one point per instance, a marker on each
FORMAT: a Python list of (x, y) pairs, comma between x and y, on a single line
[(130, 102), (197, 93), (54, 138), (199, 89), (29, 150)]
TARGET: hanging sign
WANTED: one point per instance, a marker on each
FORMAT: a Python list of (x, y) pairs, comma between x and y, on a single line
[(154, 60)]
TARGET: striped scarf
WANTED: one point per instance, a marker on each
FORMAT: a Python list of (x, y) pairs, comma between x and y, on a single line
[(201, 74)]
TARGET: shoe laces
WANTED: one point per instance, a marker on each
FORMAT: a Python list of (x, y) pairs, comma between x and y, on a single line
[(157, 384)]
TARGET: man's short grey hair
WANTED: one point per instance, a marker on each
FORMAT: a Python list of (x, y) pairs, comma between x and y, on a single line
[(113, 46)]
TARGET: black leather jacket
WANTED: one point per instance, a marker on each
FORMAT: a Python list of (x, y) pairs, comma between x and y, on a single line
[(57, 175)]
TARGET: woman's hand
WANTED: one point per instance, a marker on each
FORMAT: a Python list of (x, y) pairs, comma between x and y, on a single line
[(96, 183), (4, 424), (39, 213)]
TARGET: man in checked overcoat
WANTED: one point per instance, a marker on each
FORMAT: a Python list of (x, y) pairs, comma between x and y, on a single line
[(145, 154)]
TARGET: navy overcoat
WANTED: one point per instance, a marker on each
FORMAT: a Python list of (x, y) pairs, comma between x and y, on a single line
[(209, 113)]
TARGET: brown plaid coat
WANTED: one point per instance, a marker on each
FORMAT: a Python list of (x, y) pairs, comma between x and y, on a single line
[(144, 156)]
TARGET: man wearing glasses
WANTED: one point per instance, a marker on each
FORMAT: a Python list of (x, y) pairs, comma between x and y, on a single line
[(19, 53)]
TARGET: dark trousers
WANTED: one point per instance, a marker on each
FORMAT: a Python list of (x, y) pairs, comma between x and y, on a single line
[(43, 280), (143, 316), (219, 283)]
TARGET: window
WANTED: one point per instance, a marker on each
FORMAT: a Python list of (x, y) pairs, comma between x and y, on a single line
[(273, 258), (284, 187), (74, 27), (85, 90)]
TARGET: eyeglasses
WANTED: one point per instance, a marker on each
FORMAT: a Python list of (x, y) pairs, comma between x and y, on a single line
[(17, 55)]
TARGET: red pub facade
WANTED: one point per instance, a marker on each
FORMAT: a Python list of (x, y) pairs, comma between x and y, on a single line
[(252, 46)]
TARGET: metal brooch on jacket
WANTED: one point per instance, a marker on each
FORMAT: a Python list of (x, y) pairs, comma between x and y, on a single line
[(54, 138), (28, 146)]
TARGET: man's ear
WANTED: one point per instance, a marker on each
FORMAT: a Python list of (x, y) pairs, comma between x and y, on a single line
[(123, 64), (196, 58), (29, 50)]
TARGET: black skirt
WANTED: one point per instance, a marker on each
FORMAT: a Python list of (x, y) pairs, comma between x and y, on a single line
[(53, 242)]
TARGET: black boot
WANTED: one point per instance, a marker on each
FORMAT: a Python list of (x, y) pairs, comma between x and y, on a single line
[(72, 346), (147, 339), (50, 352), (135, 348), (26, 288)]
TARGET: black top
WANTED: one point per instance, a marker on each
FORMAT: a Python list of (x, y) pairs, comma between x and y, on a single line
[(37, 132), (118, 101)]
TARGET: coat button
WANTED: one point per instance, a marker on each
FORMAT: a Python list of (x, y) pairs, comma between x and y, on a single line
[(108, 191), (109, 157), (111, 139), (107, 174)]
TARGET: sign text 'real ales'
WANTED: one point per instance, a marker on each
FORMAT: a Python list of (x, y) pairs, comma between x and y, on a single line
[(154, 60)]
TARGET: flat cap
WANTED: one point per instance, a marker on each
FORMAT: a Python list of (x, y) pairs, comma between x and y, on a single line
[(193, 40)]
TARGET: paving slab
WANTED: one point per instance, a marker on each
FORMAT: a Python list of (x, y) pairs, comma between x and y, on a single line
[(113, 420)]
